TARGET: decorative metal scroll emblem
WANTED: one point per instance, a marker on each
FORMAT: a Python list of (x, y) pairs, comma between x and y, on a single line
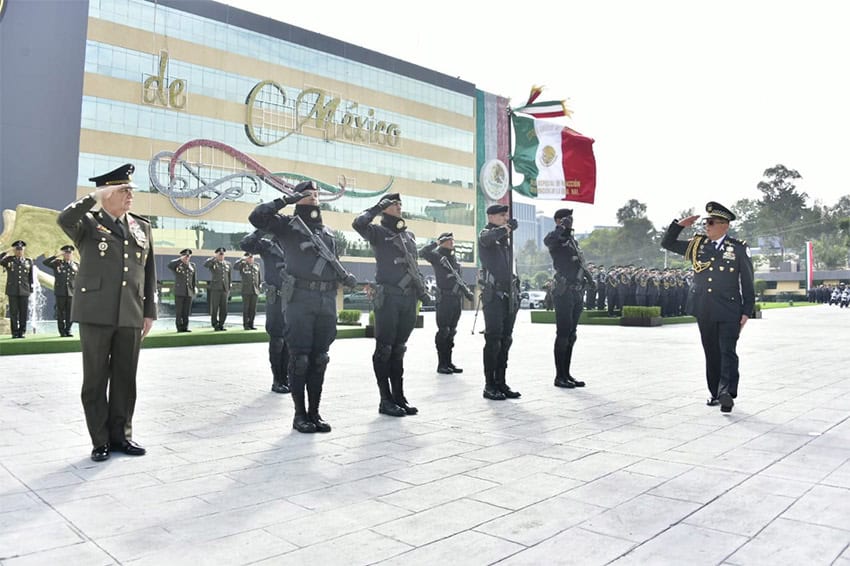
[(201, 174)]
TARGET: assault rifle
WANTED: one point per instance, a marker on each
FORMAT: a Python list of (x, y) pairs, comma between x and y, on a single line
[(412, 275), (458, 279), (324, 254)]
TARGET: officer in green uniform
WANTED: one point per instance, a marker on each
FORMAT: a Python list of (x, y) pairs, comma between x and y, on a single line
[(20, 278), (114, 304), (218, 288), (185, 288), (722, 296), (64, 274), (252, 278)]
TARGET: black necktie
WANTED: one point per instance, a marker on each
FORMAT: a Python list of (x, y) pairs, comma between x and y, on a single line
[(120, 226)]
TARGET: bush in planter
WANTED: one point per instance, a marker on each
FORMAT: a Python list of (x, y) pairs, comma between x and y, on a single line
[(349, 316), (641, 316)]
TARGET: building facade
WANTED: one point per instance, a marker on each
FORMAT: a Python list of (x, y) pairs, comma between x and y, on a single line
[(219, 108)]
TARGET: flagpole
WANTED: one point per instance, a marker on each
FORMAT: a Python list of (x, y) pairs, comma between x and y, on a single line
[(510, 190)]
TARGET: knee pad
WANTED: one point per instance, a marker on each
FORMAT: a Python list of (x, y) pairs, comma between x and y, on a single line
[(382, 352), (573, 338), (299, 363), (452, 333), (398, 351), (320, 361), (506, 343)]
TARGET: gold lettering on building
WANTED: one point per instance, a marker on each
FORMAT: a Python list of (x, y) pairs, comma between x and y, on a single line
[(157, 90)]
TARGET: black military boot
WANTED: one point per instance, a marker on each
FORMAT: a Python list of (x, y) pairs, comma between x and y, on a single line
[(398, 396), (568, 360), (301, 422), (277, 385), (314, 394), (503, 387), (561, 378), (387, 405), (442, 362), (491, 391), (451, 364)]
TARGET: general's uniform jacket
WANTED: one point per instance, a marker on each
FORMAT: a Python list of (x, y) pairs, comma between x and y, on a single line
[(252, 277), (185, 278), (116, 283), (64, 275), (20, 276), (220, 271), (722, 288)]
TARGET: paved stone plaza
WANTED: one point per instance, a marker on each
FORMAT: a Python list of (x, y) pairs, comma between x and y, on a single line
[(633, 469)]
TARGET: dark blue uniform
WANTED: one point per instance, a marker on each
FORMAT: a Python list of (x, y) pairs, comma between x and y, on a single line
[(722, 291), (274, 268), (395, 304)]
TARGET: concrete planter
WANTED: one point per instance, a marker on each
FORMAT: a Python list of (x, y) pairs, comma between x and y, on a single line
[(652, 321)]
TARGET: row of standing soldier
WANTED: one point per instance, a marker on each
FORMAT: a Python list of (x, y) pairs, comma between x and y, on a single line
[(620, 286)]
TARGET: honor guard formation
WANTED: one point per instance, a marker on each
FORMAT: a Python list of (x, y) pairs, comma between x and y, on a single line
[(111, 294)]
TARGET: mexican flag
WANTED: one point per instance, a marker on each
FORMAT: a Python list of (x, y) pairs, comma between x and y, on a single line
[(557, 162)]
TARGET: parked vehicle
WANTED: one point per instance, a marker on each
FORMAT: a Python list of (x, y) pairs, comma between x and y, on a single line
[(357, 300), (532, 299)]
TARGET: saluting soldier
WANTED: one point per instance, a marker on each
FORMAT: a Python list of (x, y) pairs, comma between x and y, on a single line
[(20, 278), (185, 288), (218, 288), (114, 304), (252, 278), (501, 300), (274, 270), (571, 279), (64, 274), (314, 274), (722, 296), (451, 290), (399, 285)]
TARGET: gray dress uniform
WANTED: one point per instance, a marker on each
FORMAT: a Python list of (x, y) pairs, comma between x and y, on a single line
[(185, 289), (20, 279), (218, 290), (252, 278), (64, 277), (115, 292)]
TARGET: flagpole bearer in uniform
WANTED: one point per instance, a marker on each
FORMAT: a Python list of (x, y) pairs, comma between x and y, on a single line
[(274, 271), (20, 279), (399, 285), (572, 277), (252, 278), (721, 297), (218, 288), (64, 275), (501, 300), (115, 305), (451, 291), (185, 288), (310, 288)]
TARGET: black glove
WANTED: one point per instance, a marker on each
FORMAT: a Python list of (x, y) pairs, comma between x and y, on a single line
[(469, 295), (384, 203), (293, 198), (350, 281), (513, 223)]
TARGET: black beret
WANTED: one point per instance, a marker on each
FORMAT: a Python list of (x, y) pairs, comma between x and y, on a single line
[(563, 212), (119, 176), (221, 249), (396, 197), (186, 251), (19, 244), (497, 208), (247, 254), (306, 186), (717, 210), (445, 236), (67, 248)]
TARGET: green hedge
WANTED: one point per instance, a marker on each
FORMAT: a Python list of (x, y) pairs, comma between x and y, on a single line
[(641, 312), (348, 316)]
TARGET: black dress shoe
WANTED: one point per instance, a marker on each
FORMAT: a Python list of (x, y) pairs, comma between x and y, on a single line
[(444, 370), (726, 402), (408, 409), (576, 382), (712, 402), (455, 369), (389, 408), (508, 392), (100, 453), (565, 383), (280, 388), (69, 335), (493, 394), (130, 448), (321, 425), (302, 423)]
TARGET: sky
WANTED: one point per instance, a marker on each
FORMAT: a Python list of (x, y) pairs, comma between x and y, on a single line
[(687, 101)]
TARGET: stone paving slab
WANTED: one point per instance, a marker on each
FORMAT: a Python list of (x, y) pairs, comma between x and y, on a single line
[(632, 469)]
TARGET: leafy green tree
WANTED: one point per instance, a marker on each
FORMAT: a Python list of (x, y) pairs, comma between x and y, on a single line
[(781, 206)]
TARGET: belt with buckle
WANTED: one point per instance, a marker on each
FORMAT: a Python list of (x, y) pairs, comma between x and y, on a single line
[(315, 285)]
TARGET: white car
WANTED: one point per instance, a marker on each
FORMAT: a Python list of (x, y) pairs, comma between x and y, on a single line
[(532, 299)]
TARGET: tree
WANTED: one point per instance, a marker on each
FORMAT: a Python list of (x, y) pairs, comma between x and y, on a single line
[(632, 210), (781, 206)]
